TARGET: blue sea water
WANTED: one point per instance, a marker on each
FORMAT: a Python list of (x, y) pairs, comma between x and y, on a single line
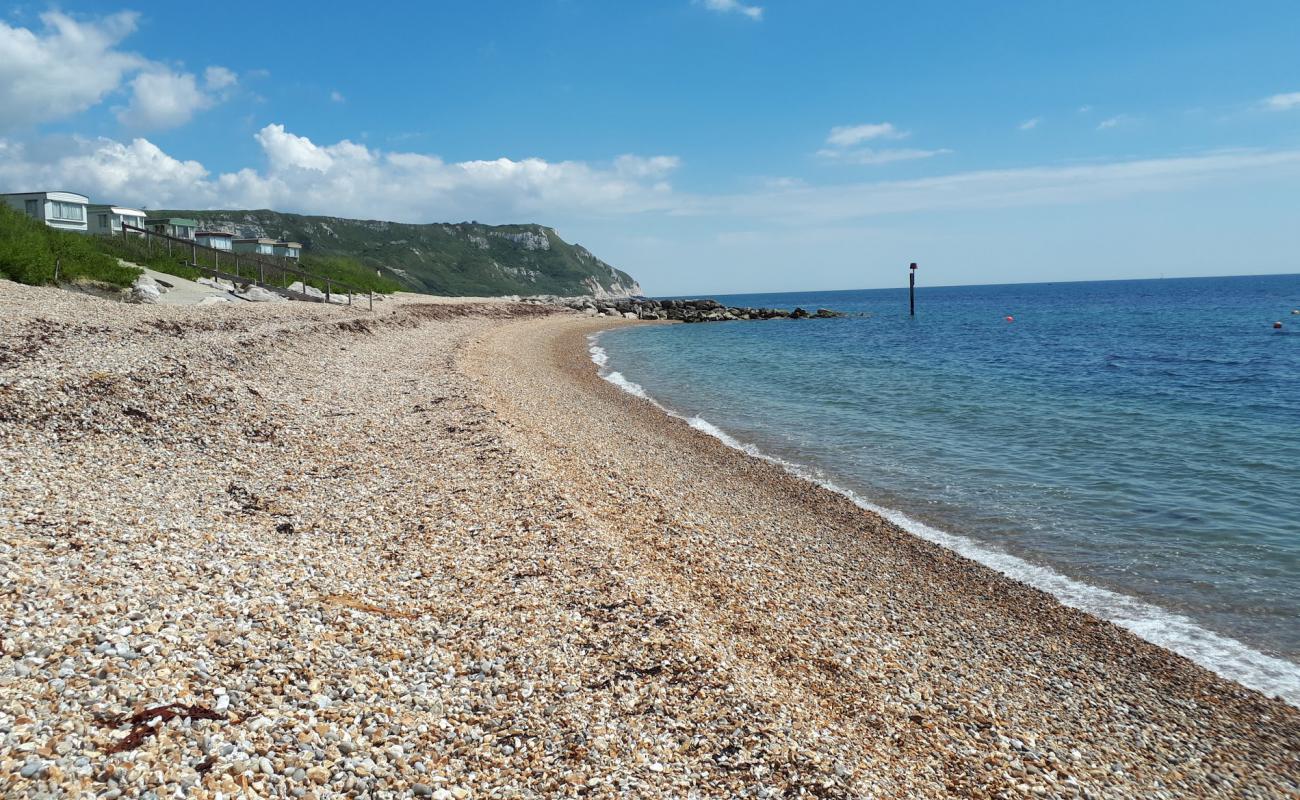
[(1131, 446)]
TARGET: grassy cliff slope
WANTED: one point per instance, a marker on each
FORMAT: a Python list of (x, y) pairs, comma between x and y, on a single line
[(440, 258)]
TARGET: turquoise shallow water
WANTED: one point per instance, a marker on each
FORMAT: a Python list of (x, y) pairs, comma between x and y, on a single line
[(1131, 446)]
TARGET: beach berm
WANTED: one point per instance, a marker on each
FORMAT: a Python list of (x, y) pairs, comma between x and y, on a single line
[(298, 550)]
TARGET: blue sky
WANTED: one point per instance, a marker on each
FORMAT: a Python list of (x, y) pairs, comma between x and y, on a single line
[(703, 145)]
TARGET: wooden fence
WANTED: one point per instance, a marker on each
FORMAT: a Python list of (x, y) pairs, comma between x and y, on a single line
[(245, 268)]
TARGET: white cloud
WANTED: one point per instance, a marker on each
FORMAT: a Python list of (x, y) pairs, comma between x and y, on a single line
[(216, 78), (73, 64), (1085, 109), (337, 97), (1283, 102), (641, 167), (733, 7), (163, 99), (63, 69), (1112, 122), (1029, 186), (345, 179), (1030, 124), (349, 179), (849, 135), (842, 141), (869, 157), (107, 170)]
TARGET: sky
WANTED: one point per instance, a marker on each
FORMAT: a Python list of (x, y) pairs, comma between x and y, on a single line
[(702, 145)]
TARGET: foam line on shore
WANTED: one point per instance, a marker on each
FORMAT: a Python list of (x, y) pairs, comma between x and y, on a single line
[(1222, 655)]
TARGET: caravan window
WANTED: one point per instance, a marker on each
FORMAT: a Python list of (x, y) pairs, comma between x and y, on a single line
[(68, 211)]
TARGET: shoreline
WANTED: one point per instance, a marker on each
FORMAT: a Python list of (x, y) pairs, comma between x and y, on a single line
[(1226, 656), (275, 548), (1145, 669)]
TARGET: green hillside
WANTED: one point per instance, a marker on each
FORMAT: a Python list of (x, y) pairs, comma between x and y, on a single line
[(452, 259)]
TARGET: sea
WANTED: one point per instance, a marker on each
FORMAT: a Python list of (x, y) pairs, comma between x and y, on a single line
[(1131, 447)]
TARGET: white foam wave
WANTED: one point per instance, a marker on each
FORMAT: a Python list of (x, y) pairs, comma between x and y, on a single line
[(1220, 654)]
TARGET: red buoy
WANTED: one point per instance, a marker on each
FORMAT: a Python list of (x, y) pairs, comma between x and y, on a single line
[(1010, 318), (1277, 326)]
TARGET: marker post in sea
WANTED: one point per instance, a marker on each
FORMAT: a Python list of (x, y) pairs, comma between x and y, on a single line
[(911, 287)]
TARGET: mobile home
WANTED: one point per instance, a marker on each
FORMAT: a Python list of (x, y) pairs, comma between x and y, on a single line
[(178, 227), (109, 219), (218, 240), (288, 249), (62, 210), (261, 247)]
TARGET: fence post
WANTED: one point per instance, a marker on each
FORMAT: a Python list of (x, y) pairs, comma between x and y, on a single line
[(57, 263), (169, 247), (327, 290), (194, 254), (261, 274)]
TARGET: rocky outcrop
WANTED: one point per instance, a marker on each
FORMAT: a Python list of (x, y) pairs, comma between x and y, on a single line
[(677, 310)]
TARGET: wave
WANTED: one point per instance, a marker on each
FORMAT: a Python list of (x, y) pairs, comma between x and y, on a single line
[(1180, 634)]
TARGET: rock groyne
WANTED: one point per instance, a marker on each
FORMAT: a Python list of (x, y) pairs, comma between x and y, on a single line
[(679, 310)]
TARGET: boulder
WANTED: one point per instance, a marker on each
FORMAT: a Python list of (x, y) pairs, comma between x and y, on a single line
[(629, 315), (145, 290), (216, 283), (256, 294), (145, 293)]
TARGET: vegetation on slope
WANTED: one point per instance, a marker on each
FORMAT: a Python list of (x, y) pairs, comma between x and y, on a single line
[(454, 259), (177, 262), (30, 251)]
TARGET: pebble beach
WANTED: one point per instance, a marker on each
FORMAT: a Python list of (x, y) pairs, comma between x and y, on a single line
[(298, 550)]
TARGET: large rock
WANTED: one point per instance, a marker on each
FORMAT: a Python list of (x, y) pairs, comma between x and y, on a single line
[(145, 290), (256, 294), (145, 293)]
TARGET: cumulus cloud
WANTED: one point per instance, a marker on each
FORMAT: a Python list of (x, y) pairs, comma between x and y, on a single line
[(346, 179), (72, 64), (733, 7), (1283, 102), (337, 97), (163, 99), (1030, 124), (137, 172), (62, 69), (1112, 122), (216, 79)]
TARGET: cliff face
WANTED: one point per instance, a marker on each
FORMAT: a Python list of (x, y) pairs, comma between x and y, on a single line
[(463, 258)]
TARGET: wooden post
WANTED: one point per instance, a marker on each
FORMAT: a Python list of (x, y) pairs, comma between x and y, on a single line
[(327, 290), (57, 263), (169, 247), (911, 287), (194, 254), (261, 275)]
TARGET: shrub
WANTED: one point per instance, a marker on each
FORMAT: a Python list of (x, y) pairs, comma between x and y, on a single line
[(30, 251)]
